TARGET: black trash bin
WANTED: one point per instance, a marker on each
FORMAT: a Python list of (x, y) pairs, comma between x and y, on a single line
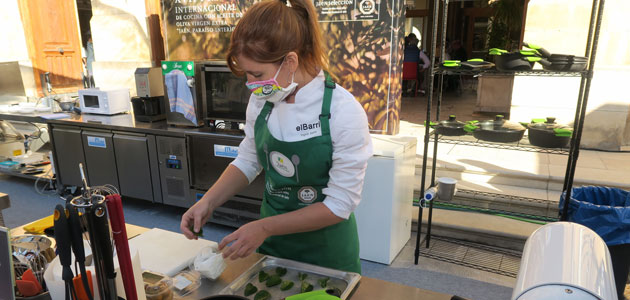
[(606, 211)]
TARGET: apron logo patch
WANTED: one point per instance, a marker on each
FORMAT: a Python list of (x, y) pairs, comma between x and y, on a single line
[(307, 194), (281, 164)]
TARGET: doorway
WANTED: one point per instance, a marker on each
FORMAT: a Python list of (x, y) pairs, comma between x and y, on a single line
[(84, 12), (53, 42)]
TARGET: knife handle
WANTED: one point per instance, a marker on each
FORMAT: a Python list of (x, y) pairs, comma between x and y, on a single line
[(102, 234), (62, 235), (76, 231)]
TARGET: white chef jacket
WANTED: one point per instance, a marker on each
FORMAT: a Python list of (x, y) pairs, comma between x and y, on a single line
[(349, 131)]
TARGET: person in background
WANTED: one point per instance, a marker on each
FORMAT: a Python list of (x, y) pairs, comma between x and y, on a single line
[(456, 52), (308, 134), (88, 59), (413, 54)]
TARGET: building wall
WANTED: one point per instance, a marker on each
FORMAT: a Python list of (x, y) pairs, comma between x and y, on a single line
[(121, 42), (14, 50), (561, 26)]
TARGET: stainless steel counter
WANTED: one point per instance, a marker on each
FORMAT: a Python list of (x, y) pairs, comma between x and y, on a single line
[(120, 122)]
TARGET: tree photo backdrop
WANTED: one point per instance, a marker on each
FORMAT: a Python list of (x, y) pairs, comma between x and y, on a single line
[(364, 41)]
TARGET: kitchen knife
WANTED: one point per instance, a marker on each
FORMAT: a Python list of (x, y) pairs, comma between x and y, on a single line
[(62, 236), (101, 230), (76, 236)]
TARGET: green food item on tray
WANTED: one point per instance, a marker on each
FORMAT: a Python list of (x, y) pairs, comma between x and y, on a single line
[(286, 284), (273, 280), (306, 287), (262, 295), (281, 271), (250, 289), (262, 276), (199, 233), (302, 276), (323, 282)]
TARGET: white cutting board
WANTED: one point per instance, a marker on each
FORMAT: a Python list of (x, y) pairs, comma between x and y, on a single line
[(167, 252)]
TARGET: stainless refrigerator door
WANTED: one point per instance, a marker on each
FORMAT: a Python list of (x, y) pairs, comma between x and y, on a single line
[(98, 147), (134, 172), (68, 148)]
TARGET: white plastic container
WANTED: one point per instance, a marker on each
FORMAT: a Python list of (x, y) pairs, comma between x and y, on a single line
[(565, 260)]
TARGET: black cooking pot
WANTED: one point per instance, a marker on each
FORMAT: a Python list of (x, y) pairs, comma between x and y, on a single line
[(567, 57), (497, 130), (563, 65), (522, 60), (450, 127), (549, 134)]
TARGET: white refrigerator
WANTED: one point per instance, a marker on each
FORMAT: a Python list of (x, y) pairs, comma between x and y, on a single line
[(384, 214)]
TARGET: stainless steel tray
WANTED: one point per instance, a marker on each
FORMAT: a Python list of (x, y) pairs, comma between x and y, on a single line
[(344, 281)]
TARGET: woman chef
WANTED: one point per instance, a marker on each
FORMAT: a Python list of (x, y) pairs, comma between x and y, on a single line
[(308, 134)]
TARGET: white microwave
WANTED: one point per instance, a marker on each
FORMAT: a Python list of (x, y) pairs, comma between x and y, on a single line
[(104, 102)]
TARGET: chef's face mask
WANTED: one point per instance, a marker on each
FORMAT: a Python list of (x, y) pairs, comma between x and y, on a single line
[(270, 90)]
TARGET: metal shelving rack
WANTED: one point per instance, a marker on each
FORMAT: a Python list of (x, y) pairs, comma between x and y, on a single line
[(578, 125), (522, 145)]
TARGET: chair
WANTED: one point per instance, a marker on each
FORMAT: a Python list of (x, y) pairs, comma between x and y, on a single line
[(410, 72)]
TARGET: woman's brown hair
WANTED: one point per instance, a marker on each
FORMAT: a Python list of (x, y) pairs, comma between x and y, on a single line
[(270, 29)]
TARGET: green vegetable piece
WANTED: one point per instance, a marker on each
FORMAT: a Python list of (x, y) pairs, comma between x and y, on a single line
[(475, 60), (262, 295), (273, 281), (285, 285), (262, 276), (302, 276), (306, 287), (323, 282), (281, 271), (199, 234), (250, 289)]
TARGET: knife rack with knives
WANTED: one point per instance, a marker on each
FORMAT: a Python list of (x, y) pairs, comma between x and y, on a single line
[(92, 212)]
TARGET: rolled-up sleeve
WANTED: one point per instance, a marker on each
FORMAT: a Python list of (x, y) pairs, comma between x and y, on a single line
[(352, 147), (247, 160)]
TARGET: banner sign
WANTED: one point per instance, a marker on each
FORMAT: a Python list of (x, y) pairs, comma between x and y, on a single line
[(363, 38)]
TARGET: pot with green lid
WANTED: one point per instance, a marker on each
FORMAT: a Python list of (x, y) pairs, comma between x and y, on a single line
[(450, 127), (549, 134), (498, 130)]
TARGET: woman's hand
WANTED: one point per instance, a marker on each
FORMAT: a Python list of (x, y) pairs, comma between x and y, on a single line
[(195, 217), (246, 239)]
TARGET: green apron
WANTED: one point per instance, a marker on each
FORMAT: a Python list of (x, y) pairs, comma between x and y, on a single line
[(295, 174)]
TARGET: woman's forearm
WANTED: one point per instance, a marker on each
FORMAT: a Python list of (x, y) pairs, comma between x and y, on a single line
[(310, 218), (229, 183)]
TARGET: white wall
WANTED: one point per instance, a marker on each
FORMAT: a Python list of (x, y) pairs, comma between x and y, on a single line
[(12, 36), (121, 42), (561, 26), (14, 45)]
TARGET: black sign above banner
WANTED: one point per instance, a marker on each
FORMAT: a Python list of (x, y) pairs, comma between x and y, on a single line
[(347, 10), (200, 29)]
